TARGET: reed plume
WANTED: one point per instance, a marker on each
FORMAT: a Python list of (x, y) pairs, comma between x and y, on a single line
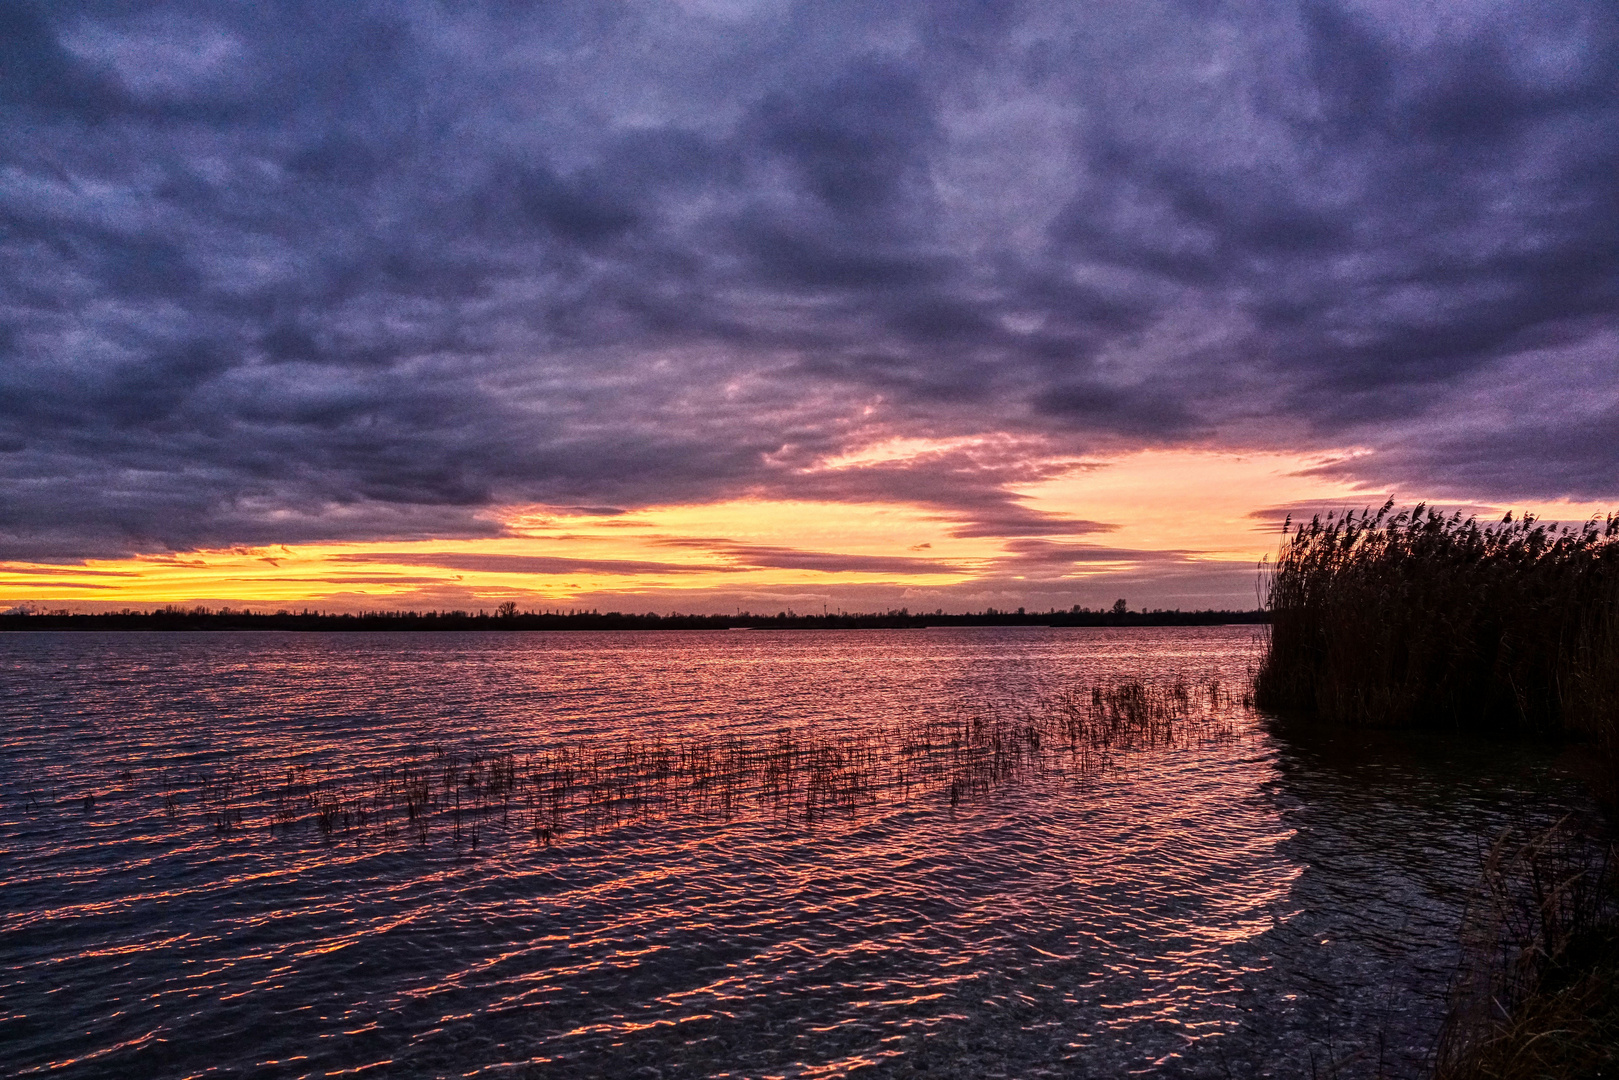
[(1417, 618)]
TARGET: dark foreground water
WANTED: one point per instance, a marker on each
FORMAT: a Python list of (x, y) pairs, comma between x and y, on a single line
[(1268, 902)]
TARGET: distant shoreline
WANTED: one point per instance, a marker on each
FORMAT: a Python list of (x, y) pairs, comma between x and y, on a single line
[(393, 621)]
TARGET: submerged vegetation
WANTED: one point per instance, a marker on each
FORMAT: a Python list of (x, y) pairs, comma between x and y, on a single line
[(1418, 619), (798, 776)]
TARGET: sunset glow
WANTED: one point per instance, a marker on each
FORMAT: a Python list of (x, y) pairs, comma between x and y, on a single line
[(1136, 516), (719, 306), (781, 538)]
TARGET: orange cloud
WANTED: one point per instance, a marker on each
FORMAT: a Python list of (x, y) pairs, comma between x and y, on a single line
[(1146, 513)]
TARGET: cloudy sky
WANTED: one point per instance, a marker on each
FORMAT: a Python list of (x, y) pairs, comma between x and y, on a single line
[(710, 304)]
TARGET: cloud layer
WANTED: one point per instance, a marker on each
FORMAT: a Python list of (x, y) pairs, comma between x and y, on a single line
[(290, 271)]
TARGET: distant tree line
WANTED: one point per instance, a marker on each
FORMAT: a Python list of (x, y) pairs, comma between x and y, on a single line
[(507, 616)]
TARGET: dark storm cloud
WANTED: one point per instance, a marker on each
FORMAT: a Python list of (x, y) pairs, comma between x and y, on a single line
[(283, 271), (969, 486)]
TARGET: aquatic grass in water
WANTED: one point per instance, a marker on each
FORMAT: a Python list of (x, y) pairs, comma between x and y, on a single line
[(1166, 898), (1415, 618), (1537, 994), (1418, 619), (794, 776)]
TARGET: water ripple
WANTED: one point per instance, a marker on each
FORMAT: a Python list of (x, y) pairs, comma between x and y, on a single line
[(1251, 905)]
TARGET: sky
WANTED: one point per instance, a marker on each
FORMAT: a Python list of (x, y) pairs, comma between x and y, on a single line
[(707, 305)]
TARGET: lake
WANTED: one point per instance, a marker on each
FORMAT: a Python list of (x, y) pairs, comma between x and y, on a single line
[(1241, 897)]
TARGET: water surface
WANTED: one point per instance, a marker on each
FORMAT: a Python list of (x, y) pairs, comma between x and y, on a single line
[(1277, 902)]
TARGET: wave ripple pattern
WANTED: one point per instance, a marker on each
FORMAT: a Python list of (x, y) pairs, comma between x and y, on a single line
[(1237, 903)]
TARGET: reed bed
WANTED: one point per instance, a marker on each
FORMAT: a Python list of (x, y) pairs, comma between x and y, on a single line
[(1537, 994), (1416, 618), (798, 776)]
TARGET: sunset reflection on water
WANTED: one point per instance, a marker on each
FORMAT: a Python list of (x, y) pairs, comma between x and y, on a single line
[(1184, 909)]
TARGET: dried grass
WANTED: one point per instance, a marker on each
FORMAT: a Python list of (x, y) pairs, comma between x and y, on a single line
[(1415, 618), (1538, 990)]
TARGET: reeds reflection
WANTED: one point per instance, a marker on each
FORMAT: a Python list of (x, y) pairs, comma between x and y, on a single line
[(795, 776)]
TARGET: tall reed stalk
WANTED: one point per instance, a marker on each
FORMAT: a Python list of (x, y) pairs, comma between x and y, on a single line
[(1537, 993), (1415, 618)]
